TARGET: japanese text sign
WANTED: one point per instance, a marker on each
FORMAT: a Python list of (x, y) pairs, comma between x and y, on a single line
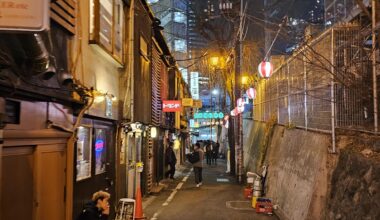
[(171, 105)]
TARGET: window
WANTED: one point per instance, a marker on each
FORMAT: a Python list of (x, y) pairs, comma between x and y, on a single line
[(83, 149), (180, 17), (100, 151), (180, 45), (106, 26)]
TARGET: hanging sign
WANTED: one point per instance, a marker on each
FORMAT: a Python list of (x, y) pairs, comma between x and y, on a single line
[(171, 105), (197, 103), (24, 15), (187, 102)]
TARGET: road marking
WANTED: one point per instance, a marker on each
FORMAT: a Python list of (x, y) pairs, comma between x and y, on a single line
[(223, 180), (246, 203), (179, 186), (171, 196)]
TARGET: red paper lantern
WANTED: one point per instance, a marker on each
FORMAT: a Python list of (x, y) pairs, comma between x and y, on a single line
[(251, 93), (265, 69), (240, 102)]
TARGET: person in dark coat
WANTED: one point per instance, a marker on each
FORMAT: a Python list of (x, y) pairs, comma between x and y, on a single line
[(208, 153), (170, 160), (215, 152), (97, 209)]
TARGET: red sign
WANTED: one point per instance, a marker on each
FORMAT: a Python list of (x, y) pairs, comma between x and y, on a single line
[(171, 105)]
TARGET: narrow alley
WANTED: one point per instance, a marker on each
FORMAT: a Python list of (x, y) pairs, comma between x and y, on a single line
[(220, 197)]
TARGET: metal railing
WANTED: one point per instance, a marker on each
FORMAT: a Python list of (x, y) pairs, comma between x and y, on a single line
[(326, 84)]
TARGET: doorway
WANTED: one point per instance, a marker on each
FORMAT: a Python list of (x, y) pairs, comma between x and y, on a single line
[(33, 180)]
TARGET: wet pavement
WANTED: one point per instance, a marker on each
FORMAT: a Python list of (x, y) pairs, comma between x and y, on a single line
[(220, 197)]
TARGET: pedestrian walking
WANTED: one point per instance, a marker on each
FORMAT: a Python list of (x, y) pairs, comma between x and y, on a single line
[(208, 153), (97, 209), (170, 160), (198, 165), (215, 153)]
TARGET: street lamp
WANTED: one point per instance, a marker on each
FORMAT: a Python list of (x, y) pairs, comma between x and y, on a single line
[(214, 61)]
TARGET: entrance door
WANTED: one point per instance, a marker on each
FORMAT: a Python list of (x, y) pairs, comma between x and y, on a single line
[(33, 181), (17, 183), (51, 165), (134, 142)]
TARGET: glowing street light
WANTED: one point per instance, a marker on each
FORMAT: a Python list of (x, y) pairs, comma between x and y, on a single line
[(214, 61)]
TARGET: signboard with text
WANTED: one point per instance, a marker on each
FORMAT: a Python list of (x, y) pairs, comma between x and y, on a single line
[(171, 105), (187, 102), (24, 15), (197, 103), (208, 115)]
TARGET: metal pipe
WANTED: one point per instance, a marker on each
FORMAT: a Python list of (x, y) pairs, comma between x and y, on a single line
[(305, 90), (375, 108), (289, 119), (240, 120), (37, 55), (332, 93)]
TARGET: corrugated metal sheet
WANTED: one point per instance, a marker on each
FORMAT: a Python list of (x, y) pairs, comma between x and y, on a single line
[(156, 87)]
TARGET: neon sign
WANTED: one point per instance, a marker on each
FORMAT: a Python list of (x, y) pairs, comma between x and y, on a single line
[(99, 145)]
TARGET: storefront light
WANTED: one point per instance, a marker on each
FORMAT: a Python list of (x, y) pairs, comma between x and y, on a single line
[(153, 132), (177, 144)]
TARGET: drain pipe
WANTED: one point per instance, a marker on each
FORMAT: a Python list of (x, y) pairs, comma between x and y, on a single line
[(332, 94), (374, 74)]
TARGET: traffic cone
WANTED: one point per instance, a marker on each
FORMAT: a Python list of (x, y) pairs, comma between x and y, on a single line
[(138, 209)]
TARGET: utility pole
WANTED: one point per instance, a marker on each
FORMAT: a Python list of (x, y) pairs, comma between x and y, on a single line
[(374, 74), (238, 74)]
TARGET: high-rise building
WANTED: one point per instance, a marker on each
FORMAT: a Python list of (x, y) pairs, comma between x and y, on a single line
[(342, 11), (173, 17)]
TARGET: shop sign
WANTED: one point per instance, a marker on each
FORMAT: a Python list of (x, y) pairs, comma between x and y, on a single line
[(171, 105), (197, 103), (24, 15), (187, 102), (208, 115)]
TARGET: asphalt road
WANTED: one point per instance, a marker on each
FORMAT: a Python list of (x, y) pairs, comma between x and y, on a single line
[(219, 198)]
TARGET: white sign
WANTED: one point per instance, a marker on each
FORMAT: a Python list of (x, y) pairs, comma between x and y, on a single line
[(24, 15), (194, 84)]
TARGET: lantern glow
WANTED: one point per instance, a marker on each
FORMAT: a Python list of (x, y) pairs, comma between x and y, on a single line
[(265, 69)]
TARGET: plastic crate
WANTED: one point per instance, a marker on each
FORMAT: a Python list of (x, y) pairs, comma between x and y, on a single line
[(264, 206)]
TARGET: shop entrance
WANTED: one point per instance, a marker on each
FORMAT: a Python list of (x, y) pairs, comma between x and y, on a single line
[(33, 182), (133, 146)]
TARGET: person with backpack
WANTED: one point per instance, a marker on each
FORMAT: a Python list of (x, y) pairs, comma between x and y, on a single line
[(97, 209), (198, 165)]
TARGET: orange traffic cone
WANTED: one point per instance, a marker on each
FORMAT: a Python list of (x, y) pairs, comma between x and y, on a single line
[(138, 209)]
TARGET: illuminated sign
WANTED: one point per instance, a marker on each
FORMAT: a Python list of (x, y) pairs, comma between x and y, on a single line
[(208, 115), (187, 102), (171, 105), (99, 145), (24, 15)]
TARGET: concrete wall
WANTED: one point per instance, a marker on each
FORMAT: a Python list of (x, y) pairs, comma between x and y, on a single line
[(295, 158)]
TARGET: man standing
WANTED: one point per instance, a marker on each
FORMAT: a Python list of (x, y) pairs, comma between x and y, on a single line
[(170, 160), (198, 165)]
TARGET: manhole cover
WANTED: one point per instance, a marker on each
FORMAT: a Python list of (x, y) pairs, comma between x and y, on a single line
[(222, 180), (239, 205)]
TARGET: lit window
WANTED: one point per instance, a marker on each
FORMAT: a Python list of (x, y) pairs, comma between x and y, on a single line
[(180, 45), (106, 26), (179, 17)]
